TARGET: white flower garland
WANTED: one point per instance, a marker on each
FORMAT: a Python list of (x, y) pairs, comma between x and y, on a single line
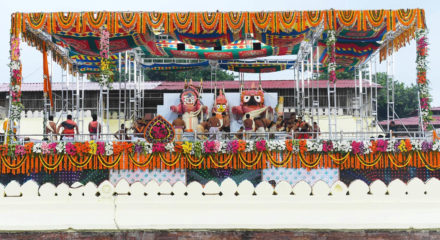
[(316, 146)]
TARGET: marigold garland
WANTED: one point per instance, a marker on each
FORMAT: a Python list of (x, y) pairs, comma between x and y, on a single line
[(15, 84), (221, 22), (250, 160)]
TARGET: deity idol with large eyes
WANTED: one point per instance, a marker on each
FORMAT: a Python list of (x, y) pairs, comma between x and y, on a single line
[(190, 106), (252, 102), (220, 106)]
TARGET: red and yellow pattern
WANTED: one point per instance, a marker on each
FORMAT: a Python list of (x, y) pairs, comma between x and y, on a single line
[(69, 25), (219, 22)]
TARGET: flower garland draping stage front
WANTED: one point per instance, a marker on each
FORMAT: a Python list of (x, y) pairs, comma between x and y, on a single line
[(235, 154)]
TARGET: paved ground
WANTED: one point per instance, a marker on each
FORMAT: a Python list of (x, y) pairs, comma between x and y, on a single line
[(229, 235)]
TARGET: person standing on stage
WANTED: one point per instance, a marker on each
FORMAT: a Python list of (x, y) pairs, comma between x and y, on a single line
[(226, 123), (248, 124), (260, 127), (316, 130), (214, 125), (69, 127), (94, 128), (179, 127), (121, 134), (51, 129)]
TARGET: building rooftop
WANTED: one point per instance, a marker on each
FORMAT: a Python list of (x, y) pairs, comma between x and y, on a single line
[(411, 121), (173, 86)]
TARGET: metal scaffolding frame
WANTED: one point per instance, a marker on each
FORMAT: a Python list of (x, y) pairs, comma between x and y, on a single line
[(305, 50), (332, 109), (315, 97), (213, 64), (390, 89)]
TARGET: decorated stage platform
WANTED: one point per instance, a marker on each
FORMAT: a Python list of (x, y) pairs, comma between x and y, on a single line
[(203, 161)]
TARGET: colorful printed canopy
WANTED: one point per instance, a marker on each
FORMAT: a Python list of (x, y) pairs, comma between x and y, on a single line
[(279, 32), (348, 54), (241, 49)]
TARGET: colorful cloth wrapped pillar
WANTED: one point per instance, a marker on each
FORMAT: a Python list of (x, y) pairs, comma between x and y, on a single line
[(331, 49), (105, 69), (422, 81), (15, 86)]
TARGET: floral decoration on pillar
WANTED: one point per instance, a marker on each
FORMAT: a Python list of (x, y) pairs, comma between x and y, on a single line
[(331, 51), (15, 86), (105, 67), (422, 81)]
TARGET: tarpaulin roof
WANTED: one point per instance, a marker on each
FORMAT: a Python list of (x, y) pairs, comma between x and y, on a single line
[(281, 31)]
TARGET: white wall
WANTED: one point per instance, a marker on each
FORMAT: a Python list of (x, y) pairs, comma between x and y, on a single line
[(150, 206)]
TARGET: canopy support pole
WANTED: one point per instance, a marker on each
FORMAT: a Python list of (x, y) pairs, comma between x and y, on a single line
[(390, 89), (316, 101)]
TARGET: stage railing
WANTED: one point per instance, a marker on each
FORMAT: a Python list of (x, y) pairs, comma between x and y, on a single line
[(224, 136)]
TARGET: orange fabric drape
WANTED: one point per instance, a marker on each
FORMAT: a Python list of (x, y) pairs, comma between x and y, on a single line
[(434, 136), (47, 83)]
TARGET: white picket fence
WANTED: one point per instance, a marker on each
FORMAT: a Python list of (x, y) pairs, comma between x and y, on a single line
[(224, 206)]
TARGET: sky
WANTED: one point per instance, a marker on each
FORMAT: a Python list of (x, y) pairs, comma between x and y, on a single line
[(405, 67)]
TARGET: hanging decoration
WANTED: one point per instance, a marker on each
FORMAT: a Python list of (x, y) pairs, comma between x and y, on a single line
[(282, 31), (47, 89), (159, 130), (331, 49), (256, 66), (422, 81), (16, 77), (74, 27), (105, 68)]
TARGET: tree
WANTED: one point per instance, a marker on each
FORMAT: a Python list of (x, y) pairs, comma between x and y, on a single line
[(339, 75), (195, 74), (405, 98), (176, 76)]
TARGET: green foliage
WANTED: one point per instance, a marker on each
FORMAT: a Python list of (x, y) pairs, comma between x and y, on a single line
[(176, 76), (195, 74), (339, 75), (405, 98)]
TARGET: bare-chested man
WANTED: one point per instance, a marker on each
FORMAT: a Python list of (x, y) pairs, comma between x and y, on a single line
[(121, 134), (226, 122), (51, 129), (201, 130), (214, 124), (179, 126), (260, 127), (291, 122), (239, 134), (138, 128), (248, 124), (280, 124)]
